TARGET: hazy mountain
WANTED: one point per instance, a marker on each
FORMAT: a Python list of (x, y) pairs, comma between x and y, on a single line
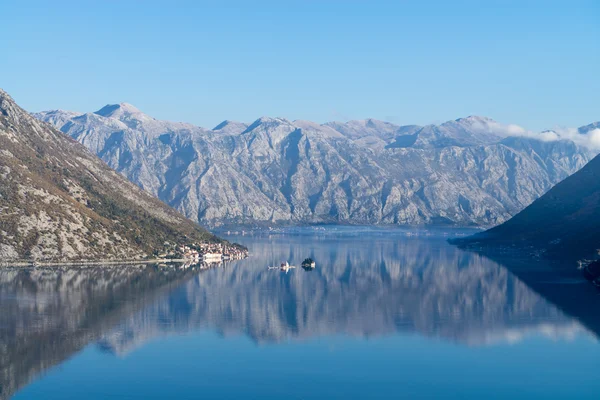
[(588, 128), (59, 201), (563, 223), (471, 171)]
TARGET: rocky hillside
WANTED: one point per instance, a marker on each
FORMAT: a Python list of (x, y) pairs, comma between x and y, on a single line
[(58, 201), (470, 171), (563, 223)]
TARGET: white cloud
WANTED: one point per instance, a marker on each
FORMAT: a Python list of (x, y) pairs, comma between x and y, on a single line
[(514, 130), (590, 139), (484, 124)]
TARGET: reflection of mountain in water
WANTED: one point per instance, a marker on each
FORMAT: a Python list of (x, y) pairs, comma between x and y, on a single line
[(361, 287), (48, 315)]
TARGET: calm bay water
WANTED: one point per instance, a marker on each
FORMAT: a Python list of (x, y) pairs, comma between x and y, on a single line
[(382, 315)]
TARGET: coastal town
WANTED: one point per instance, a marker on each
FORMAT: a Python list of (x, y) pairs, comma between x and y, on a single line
[(205, 253)]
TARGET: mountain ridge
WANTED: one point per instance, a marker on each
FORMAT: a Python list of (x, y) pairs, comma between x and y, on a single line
[(468, 171)]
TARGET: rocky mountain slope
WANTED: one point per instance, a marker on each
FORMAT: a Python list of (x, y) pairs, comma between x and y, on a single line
[(58, 201), (563, 223), (471, 171)]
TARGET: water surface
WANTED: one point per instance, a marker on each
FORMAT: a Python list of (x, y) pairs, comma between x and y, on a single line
[(383, 314)]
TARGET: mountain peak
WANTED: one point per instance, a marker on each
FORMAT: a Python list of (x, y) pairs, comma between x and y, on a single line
[(472, 119), (588, 128), (6, 102), (115, 110), (222, 125), (232, 127), (267, 122), (277, 120), (9, 108)]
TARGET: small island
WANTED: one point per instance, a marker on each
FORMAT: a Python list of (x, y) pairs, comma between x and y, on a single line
[(309, 263)]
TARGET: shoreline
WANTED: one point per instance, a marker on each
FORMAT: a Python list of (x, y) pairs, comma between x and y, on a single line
[(84, 263), (90, 263)]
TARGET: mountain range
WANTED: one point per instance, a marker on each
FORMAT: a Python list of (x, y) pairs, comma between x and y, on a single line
[(58, 201), (471, 171)]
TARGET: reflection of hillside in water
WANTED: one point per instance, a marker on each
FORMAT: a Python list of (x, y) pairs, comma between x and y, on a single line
[(361, 287), (47, 315)]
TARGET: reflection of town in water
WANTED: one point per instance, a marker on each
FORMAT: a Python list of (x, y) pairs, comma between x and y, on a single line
[(359, 286)]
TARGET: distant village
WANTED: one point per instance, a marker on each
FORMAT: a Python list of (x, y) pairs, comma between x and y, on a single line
[(206, 253)]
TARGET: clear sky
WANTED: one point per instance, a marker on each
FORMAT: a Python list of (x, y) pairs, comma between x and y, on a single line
[(536, 64)]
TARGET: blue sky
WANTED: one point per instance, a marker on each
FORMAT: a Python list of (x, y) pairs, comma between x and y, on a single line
[(531, 63)]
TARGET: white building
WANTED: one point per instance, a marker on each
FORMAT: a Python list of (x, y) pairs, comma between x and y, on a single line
[(212, 257)]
